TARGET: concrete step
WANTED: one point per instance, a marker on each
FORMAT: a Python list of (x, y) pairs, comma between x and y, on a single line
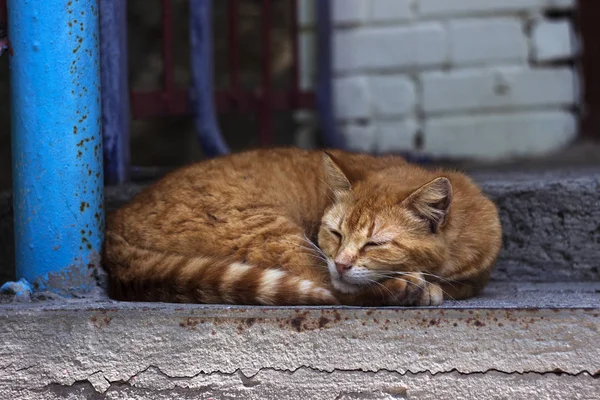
[(551, 222), (518, 341)]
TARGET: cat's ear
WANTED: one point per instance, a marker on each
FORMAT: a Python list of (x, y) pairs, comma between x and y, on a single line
[(334, 176), (431, 202)]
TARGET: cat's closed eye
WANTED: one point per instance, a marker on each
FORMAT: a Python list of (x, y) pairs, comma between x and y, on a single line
[(336, 233), (371, 245)]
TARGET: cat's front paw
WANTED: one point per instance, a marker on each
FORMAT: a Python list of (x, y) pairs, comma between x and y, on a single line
[(413, 290)]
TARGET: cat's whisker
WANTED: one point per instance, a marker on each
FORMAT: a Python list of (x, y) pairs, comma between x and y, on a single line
[(311, 265), (394, 275), (407, 281), (314, 252), (318, 257), (379, 285), (444, 280), (371, 285), (311, 251), (314, 246)]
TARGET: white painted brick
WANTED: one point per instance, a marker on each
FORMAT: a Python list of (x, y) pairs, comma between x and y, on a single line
[(349, 11), (351, 98), (358, 137), (389, 47), (436, 8), (391, 10), (346, 44), (560, 4), (392, 136), (552, 41), (392, 95), (496, 137), (477, 41), (497, 88)]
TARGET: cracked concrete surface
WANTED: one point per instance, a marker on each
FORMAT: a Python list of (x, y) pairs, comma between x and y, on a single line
[(337, 385), (129, 351)]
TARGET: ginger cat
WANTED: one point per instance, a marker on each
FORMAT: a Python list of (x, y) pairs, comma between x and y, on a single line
[(242, 229)]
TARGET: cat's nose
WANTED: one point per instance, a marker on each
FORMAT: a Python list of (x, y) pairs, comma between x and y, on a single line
[(342, 268)]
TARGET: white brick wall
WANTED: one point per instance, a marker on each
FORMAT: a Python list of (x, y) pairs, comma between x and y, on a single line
[(392, 96), (489, 79), (377, 48), (352, 98), (385, 11), (487, 41), (552, 41), (443, 8), (499, 136), (501, 88), (350, 11)]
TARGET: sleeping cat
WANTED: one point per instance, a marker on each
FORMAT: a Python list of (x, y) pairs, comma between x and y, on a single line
[(296, 227)]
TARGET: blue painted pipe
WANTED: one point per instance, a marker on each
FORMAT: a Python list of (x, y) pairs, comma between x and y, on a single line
[(202, 94), (56, 142), (325, 102), (115, 91)]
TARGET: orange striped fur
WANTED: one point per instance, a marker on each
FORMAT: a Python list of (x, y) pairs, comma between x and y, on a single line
[(244, 229)]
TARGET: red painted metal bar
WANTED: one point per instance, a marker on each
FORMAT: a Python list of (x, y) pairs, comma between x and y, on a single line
[(234, 61), (265, 109), (171, 101), (150, 104), (295, 52), (167, 53)]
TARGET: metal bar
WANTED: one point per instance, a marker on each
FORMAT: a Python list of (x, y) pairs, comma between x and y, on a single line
[(115, 91), (167, 50), (587, 17), (265, 133), (56, 142), (3, 27), (234, 56), (150, 104), (3, 15), (295, 52), (201, 93), (325, 105), (3, 12)]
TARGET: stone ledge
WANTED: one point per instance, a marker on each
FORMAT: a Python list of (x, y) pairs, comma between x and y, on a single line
[(551, 223), (520, 333)]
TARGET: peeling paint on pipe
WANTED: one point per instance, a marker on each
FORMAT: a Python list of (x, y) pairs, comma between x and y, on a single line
[(56, 142)]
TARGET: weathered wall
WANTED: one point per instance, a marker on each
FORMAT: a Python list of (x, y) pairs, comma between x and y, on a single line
[(487, 79)]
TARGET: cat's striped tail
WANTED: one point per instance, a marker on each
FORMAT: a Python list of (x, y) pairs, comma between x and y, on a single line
[(139, 274)]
